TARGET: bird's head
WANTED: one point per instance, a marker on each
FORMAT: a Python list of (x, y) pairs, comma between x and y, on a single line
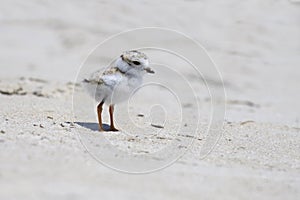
[(136, 61)]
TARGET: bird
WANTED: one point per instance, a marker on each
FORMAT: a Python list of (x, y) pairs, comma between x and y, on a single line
[(117, 82)]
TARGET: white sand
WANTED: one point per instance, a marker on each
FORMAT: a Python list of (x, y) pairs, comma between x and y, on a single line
[(256, 47)]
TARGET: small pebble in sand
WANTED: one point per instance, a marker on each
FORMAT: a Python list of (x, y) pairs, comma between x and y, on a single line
[(140, 115), (161, 138), (42, 126), (247, 122), (131, 139), (2, 131), (181, 146), (49, 117), (157, 126), (142, 151), (241, 148), (65, 124), (44, 138)]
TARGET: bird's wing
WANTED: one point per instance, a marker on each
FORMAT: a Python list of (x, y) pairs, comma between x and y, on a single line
[(95, 78), (110, 77)]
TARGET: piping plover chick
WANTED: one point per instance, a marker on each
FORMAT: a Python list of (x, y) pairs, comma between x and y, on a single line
[(117, 82)]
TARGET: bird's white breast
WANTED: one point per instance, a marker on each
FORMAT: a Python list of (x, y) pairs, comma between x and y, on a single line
[(125, 88)]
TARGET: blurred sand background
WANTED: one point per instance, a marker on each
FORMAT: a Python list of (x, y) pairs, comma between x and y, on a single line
[(256, 46)]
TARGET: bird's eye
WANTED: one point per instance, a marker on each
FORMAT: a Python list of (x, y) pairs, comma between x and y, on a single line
[(136, 62)]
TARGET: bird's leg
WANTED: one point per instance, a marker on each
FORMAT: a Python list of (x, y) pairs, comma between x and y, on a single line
[(99, 111), (111, 115)]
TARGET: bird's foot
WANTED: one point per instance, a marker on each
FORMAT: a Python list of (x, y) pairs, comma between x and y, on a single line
[(113, 129)]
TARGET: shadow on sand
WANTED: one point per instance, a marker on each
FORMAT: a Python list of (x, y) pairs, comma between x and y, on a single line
[(93, 126)]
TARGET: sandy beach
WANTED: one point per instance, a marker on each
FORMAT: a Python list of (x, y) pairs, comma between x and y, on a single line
[(49, 144)]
